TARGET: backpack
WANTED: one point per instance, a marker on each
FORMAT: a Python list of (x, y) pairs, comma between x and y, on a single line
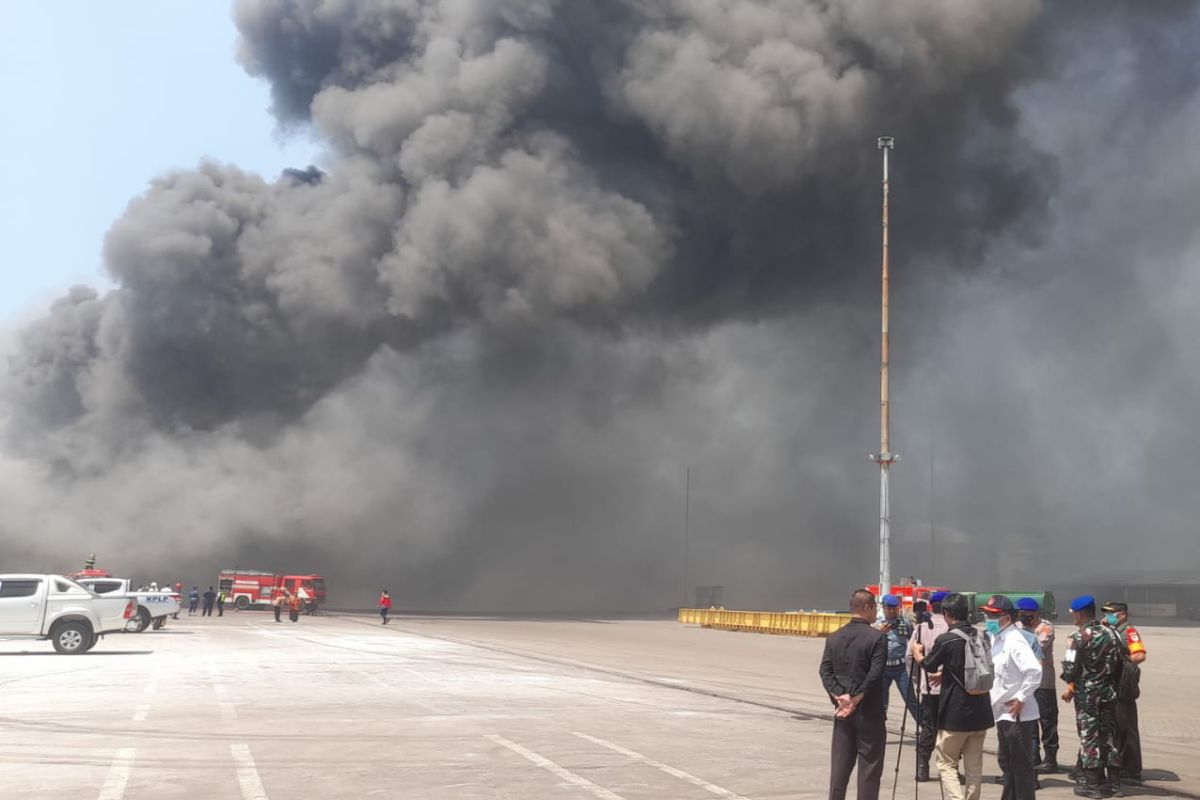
[(978, 671)]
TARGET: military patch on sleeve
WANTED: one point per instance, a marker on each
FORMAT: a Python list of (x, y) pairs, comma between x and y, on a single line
[(1134, 636)]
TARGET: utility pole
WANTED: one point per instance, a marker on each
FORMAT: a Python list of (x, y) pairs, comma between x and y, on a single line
[(687, 518), (885, 457)]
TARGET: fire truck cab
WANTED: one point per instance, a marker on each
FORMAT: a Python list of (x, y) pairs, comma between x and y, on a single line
[(908, 591), (253, 589)]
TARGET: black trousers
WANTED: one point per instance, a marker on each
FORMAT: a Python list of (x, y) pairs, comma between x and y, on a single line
[(1016, 759), (1129, 738), (927, 735), (1047, 701), (207, 612), (278, 613), (861, 738)]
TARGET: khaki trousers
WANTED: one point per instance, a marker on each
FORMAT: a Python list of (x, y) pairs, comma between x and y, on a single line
[(967, 745)]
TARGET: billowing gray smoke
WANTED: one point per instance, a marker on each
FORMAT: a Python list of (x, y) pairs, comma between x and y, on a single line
[(561, 250)]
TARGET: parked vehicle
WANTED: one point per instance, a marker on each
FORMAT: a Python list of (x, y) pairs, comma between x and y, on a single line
[(57, 608), (253, 589), (153, 606)]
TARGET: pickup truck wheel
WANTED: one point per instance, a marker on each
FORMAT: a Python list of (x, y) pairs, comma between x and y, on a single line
[(139, 622), (72, 638)]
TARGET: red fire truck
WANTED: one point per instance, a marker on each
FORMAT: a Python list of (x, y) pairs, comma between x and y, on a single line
[(909, 591), (247, 588)]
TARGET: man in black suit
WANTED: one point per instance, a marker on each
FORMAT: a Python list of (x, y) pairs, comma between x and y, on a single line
[(852, 672)]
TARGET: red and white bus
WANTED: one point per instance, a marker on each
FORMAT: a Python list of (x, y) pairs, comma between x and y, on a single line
[(247, 588)]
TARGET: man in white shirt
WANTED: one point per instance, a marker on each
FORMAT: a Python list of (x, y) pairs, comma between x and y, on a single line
[(1018, 674)]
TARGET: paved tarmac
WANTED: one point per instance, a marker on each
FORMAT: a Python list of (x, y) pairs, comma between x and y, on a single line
[(244, 708)]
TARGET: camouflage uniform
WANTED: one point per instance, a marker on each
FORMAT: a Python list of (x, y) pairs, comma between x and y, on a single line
[(1093, 664)]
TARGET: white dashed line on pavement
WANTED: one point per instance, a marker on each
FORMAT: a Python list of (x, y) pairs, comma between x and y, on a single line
[(247, 773), (668, 769), (118, 775), (562, 772)]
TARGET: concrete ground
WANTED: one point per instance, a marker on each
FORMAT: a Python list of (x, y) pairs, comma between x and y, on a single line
[(340, 707)]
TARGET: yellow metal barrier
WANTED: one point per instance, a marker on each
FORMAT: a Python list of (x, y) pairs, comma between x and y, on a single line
[(788, 623)]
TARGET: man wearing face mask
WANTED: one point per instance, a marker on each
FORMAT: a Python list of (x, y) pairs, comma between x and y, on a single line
[(1129, 738), (1091, 667), (1018, 674), (1030, 615)]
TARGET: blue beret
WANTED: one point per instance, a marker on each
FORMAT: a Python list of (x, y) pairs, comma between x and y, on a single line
[(1027, 604), (891, 600), (1083, 602), (938, 597)]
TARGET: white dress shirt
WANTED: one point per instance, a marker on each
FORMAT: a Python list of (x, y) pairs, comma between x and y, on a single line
[(1017, 674)]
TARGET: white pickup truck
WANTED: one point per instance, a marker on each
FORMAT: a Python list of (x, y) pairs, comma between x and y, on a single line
[(57, 608), (154, 606)]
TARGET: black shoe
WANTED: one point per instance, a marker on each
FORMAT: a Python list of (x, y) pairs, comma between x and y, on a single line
[(1047, 767), (1114, 783), (923, 772)]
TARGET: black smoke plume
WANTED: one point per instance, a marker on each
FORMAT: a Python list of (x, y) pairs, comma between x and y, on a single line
[(559, 252)]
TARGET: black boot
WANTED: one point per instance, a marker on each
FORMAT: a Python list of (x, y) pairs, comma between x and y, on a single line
[(1050, 765), (922, 771), (1092, 785), (1114, 782)]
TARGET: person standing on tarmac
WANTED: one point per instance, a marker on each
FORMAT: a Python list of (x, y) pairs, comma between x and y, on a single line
[(193, 600), (898, 630), (925, 634), (294, 606), (1091, 667), (962, 718), (1018, 673), (852, 673), (1030, 614), (221, 603), (1129, 738), (210, 599), (385, 605), (279, 602)]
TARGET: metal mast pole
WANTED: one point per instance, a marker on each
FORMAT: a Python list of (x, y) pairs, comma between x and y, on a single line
[(687, 519), (885, 458)]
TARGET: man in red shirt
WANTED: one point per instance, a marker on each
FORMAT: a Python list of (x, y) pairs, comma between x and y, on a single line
[(385, 605)]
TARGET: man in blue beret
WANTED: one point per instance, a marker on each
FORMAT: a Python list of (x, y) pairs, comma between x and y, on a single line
[(895, 670), (1029, 612), (1091, 667)]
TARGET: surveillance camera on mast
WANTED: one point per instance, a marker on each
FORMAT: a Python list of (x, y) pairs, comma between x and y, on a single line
[(887, 143)]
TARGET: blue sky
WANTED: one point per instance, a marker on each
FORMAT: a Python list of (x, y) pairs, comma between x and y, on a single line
[(97, 99)]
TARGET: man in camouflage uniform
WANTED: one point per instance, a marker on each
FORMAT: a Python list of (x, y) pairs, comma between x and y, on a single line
[(1091, 667)]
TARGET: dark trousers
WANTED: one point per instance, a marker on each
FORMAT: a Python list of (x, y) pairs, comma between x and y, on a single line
[(383, 612), (294, 615), (1015, 756), (220, 609), (208, 607), (1129, 738), (860, 738), (278, 613), (192, 606), (927, 734), (1047, 701)]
